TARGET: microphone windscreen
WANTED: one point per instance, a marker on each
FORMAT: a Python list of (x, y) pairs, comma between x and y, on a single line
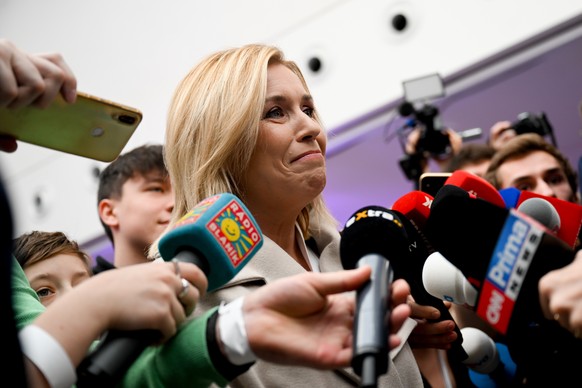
[(415, 206), (483, 354), (444, 281), (542, 211), (510, 196), (371, 230), (476, 185), (221, 231)]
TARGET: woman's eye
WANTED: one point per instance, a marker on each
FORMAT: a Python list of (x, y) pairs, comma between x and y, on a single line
[(274, 113), (309, 111)]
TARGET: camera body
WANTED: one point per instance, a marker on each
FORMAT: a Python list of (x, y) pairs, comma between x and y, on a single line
[(530, 123), (433, 138)]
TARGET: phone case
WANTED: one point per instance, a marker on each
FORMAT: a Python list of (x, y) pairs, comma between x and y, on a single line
[(92, 127)]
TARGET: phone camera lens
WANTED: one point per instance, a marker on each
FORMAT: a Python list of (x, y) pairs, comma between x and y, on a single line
[(126, 119)]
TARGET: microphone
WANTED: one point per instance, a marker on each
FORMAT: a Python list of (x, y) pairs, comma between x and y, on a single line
[(476, 185), (502, 246), (370, 236), (542, 211), (416, 205), (484, 357), (444, 281), (220, 236), (570, 213), (504, 254)]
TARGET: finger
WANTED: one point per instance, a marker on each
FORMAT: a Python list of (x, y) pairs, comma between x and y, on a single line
[(8, 143), (340, 281), (195, 276), (422, 311), (24, 81), (435, 328), (53, 77), (545, 287), (400, 292), (435, 341), (397, 318), (69, 84)]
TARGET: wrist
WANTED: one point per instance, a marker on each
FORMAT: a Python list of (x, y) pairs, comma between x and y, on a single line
[(231, 333)]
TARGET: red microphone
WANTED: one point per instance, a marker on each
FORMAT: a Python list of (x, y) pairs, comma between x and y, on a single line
[(476, 186), (415, 205)]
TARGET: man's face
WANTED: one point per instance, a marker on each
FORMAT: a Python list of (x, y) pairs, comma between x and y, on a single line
[(538, 172)]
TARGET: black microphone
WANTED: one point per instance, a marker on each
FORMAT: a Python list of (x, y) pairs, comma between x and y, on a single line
[(371, 236), (220, 236), (504, 253), (410, 267)]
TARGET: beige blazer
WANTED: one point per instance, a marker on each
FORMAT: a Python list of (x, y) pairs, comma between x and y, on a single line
[(271, 263)]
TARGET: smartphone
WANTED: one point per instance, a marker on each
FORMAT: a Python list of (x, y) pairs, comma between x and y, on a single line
[(92, 127), (431, 182)]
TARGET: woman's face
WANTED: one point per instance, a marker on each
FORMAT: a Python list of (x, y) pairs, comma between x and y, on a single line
[(288, 162)]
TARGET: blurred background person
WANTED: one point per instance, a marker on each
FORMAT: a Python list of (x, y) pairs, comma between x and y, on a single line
[(528, 162), (472, 157)]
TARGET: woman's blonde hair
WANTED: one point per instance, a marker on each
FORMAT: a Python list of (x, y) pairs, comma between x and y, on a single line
[(213, 126)]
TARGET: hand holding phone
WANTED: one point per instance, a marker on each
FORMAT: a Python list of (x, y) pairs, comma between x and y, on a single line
[(91, 127)]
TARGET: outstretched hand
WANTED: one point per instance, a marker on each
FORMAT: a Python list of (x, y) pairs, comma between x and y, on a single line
[(308, 319)]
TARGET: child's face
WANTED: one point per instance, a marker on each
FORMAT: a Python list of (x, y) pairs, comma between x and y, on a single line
[(53, 277), (144, 209)]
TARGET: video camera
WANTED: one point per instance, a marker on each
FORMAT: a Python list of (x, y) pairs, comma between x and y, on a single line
[(433, 140)]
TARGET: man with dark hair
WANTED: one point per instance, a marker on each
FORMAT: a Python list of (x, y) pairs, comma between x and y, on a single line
[(472, 157), (135, 200)]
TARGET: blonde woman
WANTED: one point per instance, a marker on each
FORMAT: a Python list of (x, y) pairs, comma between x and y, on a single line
[(243, 121)]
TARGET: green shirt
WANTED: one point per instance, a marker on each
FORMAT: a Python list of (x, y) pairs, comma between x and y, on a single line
[(182, 361)]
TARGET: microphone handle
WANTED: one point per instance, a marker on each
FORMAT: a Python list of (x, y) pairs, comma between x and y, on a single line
[(107, 364), (371, 322), (188, 255)]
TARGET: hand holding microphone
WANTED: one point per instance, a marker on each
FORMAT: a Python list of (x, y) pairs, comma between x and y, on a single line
[(220, 236), (413, 209)]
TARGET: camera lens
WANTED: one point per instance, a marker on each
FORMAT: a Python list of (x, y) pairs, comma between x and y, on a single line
[(126, 119)]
